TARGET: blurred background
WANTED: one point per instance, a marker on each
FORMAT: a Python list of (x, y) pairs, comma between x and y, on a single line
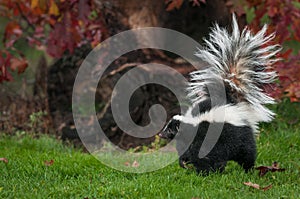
[(43, 43)]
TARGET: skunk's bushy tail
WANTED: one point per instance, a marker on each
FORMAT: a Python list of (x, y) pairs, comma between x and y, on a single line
[(241, 60)]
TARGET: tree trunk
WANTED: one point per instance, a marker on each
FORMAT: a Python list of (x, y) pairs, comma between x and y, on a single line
[(120, 15)]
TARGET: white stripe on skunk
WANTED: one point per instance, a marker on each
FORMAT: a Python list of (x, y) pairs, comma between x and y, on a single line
[(241, 114)]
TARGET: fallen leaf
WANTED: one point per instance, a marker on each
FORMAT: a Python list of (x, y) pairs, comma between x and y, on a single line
[(250, 184), (135, 164), (267, 187), (256, 186), (4, 160), (49, 163), (265, 169), (127, 164)]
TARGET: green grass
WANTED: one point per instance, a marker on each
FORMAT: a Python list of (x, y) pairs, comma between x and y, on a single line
[(79, 175)]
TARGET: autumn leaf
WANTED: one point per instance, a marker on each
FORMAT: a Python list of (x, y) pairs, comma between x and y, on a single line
[(34, 4), (296, 28), (65, 36), (12, 33), (174, 4), (286, 54), (49, 163), (57, 25), (53, 8), (135, 164), (18, 64), (273, 11), (4, 160), (38, 7), (265, 169), (257, 186), (250, 184), (267, 187), (4, 63)]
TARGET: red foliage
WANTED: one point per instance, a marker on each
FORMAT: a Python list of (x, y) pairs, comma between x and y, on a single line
[(4, 65), (284, 19), (176, 4), (62, 25), (172, 4), (58, 25)]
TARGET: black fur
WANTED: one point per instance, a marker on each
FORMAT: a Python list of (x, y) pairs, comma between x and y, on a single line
[(235, 143)]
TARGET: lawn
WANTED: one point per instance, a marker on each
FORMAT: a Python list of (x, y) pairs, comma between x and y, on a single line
[(30, 173)]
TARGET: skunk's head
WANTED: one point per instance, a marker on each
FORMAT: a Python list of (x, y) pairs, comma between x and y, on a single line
[(170, 130)]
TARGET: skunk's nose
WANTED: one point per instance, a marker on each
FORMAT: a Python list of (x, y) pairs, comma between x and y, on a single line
[(161, 135)]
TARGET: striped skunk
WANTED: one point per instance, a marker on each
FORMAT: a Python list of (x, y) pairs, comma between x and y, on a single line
[(228, 100)]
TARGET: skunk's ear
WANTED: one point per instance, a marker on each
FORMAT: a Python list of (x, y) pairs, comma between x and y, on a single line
[(170, 130)]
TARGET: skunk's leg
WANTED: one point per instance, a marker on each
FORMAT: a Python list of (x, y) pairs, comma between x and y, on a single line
[(183, 161), (206, 165), (247, 161), (220, 166)]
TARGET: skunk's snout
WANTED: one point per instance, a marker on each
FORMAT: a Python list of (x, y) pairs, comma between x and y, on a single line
[(164, 135), (161, 135), (170, 130), (167, 134)]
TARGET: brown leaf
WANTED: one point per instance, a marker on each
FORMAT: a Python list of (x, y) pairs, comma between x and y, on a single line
[(4, 160), (256, 186), (250, 184), (135, 164), (49, 163), (174, 4), (267, 187), (265, 169), (18, 64)]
